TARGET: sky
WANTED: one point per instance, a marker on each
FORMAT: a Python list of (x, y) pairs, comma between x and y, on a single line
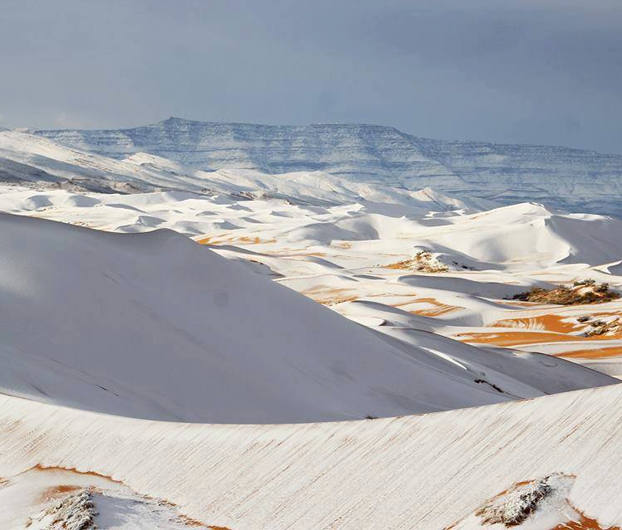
[(528, 71)]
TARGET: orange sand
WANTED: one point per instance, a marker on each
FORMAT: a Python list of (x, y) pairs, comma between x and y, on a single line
[(242, 239), (554, 323), (323, 295), (439, 309), (595, 353)]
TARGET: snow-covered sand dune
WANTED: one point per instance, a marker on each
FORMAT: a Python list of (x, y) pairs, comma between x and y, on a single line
[(147, 324), (423, 472), (423, 253), (154, 325)]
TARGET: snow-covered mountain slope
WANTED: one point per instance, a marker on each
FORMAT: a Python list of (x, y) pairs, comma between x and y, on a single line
[(557, 176), (39, 162), (365, 151), (424, 472), (154, 325)]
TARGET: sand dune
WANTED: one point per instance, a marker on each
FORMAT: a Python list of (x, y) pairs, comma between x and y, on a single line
[(123, 319), (154, 325), (424, 472)]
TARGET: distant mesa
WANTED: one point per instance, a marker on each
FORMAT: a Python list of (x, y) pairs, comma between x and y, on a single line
[(560, 177)]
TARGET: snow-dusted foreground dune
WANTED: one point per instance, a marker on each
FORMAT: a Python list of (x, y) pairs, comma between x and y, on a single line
[(423, 472)]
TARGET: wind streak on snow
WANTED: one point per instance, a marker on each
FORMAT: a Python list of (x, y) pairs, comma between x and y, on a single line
[(410, 472)]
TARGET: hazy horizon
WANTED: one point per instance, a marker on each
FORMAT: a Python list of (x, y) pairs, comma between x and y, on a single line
[(521, 72)]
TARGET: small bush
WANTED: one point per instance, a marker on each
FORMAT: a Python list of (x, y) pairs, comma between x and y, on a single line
[(563, 295)]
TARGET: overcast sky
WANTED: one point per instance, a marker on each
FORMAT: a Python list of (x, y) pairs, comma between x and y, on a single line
[(528, 71)]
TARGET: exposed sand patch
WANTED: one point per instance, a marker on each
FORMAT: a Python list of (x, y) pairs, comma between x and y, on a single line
[(330, 296), (422, 261), (555, 323), (40, 467), (256, 240), (514, 338), (341, 244), (594, 353), (583, 522), (438, 309), (590, 325), (520, 303), (57, 491), (523, 338), (246, 240)]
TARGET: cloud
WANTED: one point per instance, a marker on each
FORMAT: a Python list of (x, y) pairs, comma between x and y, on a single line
[(515, 71)]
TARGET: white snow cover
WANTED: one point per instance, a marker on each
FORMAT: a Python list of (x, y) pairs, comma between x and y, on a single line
[(412, 472), (153, 325), (63, 499), (557, 176), (347, 253)]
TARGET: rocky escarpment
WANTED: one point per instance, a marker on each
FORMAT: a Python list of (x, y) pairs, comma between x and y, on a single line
[(557, 176)]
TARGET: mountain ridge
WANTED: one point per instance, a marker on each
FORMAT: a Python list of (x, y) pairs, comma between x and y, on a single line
[(178, 119), (561, 177)]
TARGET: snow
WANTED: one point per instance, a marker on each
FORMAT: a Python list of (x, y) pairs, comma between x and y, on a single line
[(557, 176), (153, 325), (55, 498), (424, 471), (121, 321), (536, 504)]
